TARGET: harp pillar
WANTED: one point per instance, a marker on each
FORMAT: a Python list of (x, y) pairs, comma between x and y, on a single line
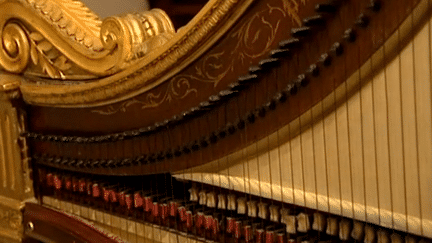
[(15, 184)]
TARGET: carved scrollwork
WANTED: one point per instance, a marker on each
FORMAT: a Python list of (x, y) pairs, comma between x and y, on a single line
[(54, 64), (61, 35), (14, 55), (253, 40), (136, 34)]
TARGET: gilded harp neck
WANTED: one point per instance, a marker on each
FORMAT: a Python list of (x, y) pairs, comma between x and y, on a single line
[(65, 40)]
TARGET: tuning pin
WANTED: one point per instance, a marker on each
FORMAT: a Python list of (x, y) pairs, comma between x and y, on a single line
[(290, 43), (332, 226), (337, 48), (230, 128), (362, 21), (278, 53), (248, 78), (254, 70), (349, 35), (268, 63), (313, 70), (225, 94), (300, 32), (222, 201), (375, 5), (241, 205), (250, 117), (318, 222), (325, 59), (326, 7), (344, 229), (303, 223), (314, 20)]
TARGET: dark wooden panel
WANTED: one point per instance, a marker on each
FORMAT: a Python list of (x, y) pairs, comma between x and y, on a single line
[(58, 227)]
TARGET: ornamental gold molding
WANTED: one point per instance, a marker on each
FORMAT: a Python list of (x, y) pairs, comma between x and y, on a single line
[(141, 74), (15, 174), (63, 39)]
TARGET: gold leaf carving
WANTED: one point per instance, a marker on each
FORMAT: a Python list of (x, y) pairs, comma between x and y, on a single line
[(70, 27), (42, 53), (139, 78), (10, 219), (36, 36), (44, 46), (75, 17)]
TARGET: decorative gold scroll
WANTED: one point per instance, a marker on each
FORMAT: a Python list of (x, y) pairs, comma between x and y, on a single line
[(63, 39), (141, 74)]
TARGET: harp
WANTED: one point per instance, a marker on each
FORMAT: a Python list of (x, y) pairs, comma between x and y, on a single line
[(258, 121)]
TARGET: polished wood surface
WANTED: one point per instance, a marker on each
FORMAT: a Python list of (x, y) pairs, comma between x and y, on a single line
[(84, 122), (48, 225)]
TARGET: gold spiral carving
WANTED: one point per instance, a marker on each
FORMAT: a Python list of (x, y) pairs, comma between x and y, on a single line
[(65, 40), (135, 34), (15, 52), (138, 76)]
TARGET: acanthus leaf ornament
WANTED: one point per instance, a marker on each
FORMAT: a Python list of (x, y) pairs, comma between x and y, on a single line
[(64, 35), (42, 54)]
